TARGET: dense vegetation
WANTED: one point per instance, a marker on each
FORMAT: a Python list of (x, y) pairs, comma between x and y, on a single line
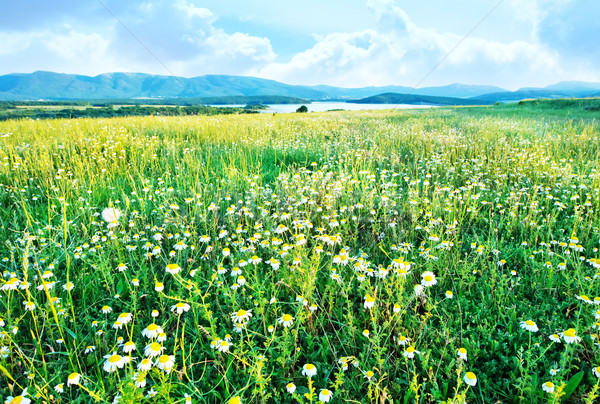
[(404, 256)]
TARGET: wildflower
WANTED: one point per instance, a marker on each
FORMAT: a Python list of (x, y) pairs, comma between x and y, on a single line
[(59, 388), (584, 298), (419, 290), (145, 365), (180, 307), (548, 387), (114, 361), (235, 400), (287, 320), (270, 328), (596, 371), (529, 325), (153, 349), (106, 309), (111, 215), (462, 354), (410, 352), (470, 379), (166, 362), (309, 370), (291, 388), (73, 378), (369, 302), (151, 393), (159, 286), (152, 331), (325, 396), (570, 336), (121, 267), (428, 278), (366, 333), (402, 340), (449, 294), (369, 375), (173, 269), (29, 305), (241, 316), (129, 347), (89, 349), (135, 282), (18, 399), (396, 308), (125, 318), (553, 371), (223, 346)]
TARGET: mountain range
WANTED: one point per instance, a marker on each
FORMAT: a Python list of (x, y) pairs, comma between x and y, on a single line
[(42, 85)]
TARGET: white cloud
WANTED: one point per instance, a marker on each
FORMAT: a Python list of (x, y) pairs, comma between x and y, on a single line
[(399, 52)]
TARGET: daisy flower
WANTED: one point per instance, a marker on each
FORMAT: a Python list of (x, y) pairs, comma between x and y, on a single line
[(159, 286), (73, 378), (114, 361), (129, 347), (548, 387), (428, 278), (287, 320), (570, 336), (449, 294), (223, 346), (152, 331), (596, 371), (470, 379), (366, 333), (402, 340), (173, 269), (125, 318), (145, 365), (369, 375), (410, 352), (309, 370), (166, 362), (555, 338), (180, 307), (241, 316), (325, 396), (291, 388), (153, 349), (462, 354), (235, 400), (18, 399), (529, 325), (553, 371), (369, 302), (106, 309), (59, 388)]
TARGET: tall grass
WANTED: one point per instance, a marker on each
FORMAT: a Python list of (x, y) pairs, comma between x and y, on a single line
[(406, 256)]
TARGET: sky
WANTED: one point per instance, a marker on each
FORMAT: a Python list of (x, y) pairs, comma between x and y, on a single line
[(350, 43)]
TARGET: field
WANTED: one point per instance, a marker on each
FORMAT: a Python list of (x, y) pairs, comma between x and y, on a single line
[(444, 255)]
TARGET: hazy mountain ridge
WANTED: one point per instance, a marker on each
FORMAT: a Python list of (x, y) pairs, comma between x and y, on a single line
[(44, 85)]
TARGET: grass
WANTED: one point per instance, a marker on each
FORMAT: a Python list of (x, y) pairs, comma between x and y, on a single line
[(247, 251)]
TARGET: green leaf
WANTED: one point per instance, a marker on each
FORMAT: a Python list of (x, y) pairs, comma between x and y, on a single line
[(3, 369), (120, 286), (572, 385)]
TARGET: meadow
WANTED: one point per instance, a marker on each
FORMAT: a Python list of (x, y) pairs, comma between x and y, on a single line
[(446, 255)]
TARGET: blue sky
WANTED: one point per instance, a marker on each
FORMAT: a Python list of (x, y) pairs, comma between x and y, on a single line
[(347, 43)]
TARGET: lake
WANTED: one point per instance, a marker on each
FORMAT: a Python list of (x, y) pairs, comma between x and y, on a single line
[(326, 106)]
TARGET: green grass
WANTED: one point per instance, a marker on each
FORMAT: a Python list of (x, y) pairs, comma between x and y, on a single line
[(330, 218)]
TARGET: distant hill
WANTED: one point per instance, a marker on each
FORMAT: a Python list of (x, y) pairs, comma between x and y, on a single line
[(415, 99), (110, 86)]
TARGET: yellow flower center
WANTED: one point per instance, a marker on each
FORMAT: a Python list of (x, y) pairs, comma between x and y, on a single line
[(114, 359), (570, 333), (152, 327), (369, 374), (224, 343), (325, 392), (241, 313), (180, 305), (549, 384), (471, 376), (123, 315), (73, 376), (287, 317), (428, 278), (462, 351), (310, 366), (16, 400), (163, 359), (155, 346), (410, 349), (172, 267), (529, 323)]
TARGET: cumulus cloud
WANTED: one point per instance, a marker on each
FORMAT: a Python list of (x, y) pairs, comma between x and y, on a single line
[(180, 34), (398, 51)]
